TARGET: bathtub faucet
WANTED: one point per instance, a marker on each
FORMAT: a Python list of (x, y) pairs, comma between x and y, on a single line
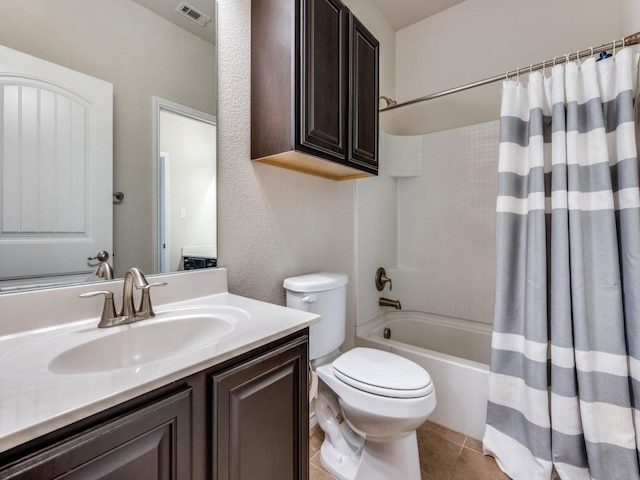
[(387, 302)]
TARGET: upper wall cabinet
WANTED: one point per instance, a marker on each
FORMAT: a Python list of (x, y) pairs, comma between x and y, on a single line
[(314, 88)]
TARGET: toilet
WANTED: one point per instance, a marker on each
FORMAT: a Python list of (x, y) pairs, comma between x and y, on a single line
[(370, 402)]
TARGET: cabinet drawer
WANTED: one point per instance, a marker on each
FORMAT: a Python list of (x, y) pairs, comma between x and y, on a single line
[(153, 442)]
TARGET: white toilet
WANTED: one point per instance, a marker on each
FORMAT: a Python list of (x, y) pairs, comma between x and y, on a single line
[(370, 402)]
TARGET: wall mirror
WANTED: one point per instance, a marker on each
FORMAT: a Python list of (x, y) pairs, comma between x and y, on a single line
[(162, 65)]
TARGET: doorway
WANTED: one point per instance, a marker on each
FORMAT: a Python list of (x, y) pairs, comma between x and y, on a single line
[(185, 147)]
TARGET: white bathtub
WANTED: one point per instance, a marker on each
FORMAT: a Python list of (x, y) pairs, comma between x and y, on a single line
[(455, 353)]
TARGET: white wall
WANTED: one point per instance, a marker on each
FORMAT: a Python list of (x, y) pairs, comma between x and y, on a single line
[(477, 39), (629, 17), (143, 55), (191, 148)]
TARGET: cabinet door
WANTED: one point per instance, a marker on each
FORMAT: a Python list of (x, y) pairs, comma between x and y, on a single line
[(151, 443), (363, 96), (261, 417), (323, 95)]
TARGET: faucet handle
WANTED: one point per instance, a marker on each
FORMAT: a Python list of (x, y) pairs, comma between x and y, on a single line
[(109, 316), (146, 309), (382, 279)]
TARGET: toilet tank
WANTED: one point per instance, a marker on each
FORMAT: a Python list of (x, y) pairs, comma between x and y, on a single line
[(324, 294)]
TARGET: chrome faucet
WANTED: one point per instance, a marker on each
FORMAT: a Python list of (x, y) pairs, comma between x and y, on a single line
[(128, 314), (382, 279), (104, 271), (134, 276), (387, 302)]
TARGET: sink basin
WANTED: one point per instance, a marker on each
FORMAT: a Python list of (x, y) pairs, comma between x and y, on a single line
[(165, 336)]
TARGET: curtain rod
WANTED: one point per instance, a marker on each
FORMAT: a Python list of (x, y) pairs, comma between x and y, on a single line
[(633, 39)]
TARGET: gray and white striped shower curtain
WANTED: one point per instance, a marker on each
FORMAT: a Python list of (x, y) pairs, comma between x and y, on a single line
[(564, 393)]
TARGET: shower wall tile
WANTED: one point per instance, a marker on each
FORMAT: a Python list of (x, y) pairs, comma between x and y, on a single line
[(376, 234), (403, 155), (434, 233), (446, 224)]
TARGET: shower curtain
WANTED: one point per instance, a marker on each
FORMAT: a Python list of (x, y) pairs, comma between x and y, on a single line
[(564, 393)]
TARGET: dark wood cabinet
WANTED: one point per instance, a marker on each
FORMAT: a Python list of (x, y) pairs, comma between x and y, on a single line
[(261, 417), (150, 443), (324, 98), (363, 94), (245, 419), (314, 88)]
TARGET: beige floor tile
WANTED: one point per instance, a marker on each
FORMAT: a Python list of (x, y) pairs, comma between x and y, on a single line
[(438, 455), (474, 466), (444, 455), (443, 432), (473, 444), (317, 473), (315, 460), (316, 437)]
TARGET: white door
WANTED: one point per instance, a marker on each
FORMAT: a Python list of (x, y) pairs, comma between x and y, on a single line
[(56, 153)]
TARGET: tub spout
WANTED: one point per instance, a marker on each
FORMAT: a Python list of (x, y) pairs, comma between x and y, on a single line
[(387, 302)]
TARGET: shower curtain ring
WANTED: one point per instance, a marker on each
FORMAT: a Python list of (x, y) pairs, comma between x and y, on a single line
[(613, 45), (591, 48), (544, 65), (518, 74)]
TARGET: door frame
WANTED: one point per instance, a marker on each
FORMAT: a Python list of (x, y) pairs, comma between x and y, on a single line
[(160, 104)]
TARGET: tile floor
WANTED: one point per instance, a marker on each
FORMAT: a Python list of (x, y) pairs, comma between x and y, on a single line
[(444, 455)]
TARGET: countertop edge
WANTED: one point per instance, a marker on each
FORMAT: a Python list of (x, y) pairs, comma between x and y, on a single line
[(64, 419)]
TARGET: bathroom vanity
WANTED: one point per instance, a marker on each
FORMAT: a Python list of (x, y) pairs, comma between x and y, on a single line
[(233, 408)]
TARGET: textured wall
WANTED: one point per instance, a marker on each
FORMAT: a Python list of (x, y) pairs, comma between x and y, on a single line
[(273, 223)]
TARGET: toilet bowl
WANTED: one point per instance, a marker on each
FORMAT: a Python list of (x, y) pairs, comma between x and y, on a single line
[(381, 409), (370, 402)]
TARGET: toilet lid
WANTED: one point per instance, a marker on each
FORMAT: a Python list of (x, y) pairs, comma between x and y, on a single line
[(382, 373)]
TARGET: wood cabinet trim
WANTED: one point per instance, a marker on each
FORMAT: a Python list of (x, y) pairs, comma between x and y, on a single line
[(170, 416)]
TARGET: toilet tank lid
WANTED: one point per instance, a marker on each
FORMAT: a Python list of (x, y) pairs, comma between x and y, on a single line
[(316, 282)]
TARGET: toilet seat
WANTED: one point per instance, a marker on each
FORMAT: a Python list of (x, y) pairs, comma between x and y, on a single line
[(382, 373)]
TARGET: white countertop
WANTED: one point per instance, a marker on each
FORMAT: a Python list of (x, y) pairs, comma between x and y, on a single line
[(35, 401)]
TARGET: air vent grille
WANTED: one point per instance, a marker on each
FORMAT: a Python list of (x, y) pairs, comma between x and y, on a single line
[(193, 13)]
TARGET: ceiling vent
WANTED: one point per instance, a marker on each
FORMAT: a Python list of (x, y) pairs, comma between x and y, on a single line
[(193, 14)]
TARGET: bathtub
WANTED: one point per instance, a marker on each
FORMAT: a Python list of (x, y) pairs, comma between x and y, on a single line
[(455, 353)]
